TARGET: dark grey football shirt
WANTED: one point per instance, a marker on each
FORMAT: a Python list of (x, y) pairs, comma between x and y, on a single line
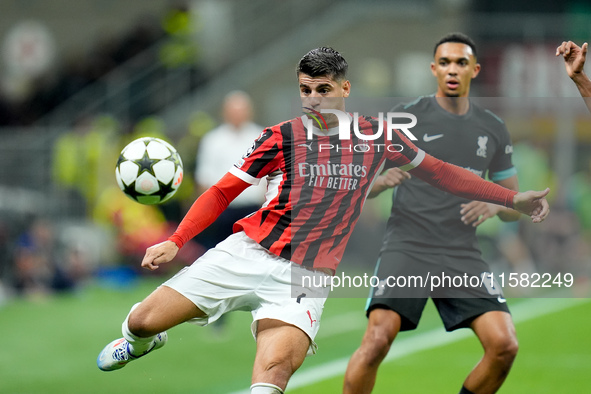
[(426, 219)]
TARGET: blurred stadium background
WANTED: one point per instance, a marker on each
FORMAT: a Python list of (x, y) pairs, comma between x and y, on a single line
[(80, 79)]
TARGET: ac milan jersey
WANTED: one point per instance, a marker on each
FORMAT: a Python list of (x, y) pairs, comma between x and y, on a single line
[(316, 187)]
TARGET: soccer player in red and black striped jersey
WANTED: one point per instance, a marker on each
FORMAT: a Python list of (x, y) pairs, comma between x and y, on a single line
[(317, 184)]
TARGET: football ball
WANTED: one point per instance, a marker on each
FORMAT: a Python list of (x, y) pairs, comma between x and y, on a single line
[(149, 170)]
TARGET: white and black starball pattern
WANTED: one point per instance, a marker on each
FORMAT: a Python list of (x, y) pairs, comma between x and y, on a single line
[(149, 170)]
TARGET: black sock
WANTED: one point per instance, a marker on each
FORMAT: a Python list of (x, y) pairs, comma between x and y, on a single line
[(465, 391)]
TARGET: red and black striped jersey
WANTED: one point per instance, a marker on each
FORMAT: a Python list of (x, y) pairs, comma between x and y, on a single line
[(316, 187)]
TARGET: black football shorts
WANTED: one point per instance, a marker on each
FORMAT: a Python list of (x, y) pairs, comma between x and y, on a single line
[(458, 285)]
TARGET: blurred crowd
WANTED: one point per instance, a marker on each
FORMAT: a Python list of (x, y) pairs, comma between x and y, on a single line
[(166, 40), (50, 90)]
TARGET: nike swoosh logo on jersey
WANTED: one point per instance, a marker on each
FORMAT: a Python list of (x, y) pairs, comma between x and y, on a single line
[(428, 138)]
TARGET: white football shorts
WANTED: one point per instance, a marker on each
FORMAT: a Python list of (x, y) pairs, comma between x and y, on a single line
[(239, 274)]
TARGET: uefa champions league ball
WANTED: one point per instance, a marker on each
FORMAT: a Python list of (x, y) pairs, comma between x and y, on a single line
[(149, 170)]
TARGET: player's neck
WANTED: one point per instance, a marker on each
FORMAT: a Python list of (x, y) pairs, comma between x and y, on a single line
[(454, 105)]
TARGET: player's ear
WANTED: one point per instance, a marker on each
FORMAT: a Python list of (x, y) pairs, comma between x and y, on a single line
[(346, 88), (433, 69), (476, 70)]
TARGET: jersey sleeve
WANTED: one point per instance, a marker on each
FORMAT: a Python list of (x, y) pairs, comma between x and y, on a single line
[(461, 182), (261, 159), (206, 209), (501, 166)]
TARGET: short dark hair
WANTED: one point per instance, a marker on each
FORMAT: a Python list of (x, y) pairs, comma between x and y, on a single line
[(456, 37), (323, 61)]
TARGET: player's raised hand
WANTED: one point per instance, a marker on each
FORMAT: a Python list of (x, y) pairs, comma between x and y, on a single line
[(574, 57), (533, 204), (159, 254)]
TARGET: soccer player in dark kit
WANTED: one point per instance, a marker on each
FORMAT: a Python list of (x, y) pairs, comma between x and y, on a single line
[(433, 231), (301, 230)]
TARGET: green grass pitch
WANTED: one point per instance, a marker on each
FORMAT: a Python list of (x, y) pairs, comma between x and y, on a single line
[(51, 345)]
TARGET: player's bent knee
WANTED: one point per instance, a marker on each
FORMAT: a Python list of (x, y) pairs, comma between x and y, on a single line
[(382, 334), (509, 349), (505, 350), (382, 328), (141, 325), (384, 323)]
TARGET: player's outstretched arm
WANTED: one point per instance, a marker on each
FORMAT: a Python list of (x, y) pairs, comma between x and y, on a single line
[(204, 211), (463, 183), (533, 204), (574, 61)]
